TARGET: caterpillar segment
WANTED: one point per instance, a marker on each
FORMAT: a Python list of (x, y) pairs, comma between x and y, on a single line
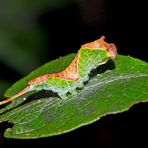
[(89, 57)]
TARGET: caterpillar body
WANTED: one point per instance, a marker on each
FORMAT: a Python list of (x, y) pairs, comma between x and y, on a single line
[(89, 56)]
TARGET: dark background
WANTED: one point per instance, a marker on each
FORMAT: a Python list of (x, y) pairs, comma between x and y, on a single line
[(60, 29)]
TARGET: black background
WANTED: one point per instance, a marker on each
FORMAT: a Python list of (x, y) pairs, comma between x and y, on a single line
[(123, 23)]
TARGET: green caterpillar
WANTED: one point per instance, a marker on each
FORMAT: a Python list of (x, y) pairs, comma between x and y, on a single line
[(90, 56)]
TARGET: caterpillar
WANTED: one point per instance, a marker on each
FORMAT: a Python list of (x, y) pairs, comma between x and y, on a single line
[(89, 57)]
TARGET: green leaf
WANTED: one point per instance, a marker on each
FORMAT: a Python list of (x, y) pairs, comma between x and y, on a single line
[(115, 89)]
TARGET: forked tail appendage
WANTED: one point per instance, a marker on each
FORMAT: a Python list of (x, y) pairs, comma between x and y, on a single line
[(27, 89)]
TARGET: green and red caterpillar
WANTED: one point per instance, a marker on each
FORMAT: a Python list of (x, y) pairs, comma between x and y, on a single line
[(90, 56)]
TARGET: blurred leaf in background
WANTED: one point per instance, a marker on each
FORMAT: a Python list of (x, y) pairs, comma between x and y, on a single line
[(23, 42)]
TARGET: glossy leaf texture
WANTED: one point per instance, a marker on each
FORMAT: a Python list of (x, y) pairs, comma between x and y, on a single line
[(112, 88)]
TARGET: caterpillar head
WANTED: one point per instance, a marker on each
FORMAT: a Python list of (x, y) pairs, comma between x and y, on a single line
[(100, 43)]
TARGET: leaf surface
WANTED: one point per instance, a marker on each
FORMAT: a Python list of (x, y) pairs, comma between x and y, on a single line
[(112, 88)]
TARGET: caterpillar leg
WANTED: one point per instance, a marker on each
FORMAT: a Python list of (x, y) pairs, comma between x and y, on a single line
[(73, 92), (86, 78), (62, 95), (80, 85)]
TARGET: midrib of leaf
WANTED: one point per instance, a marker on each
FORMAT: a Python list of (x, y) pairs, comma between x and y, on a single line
[(117, 78)]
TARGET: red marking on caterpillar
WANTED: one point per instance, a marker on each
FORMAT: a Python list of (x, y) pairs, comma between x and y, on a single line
[(100, 43), (68, 74)]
